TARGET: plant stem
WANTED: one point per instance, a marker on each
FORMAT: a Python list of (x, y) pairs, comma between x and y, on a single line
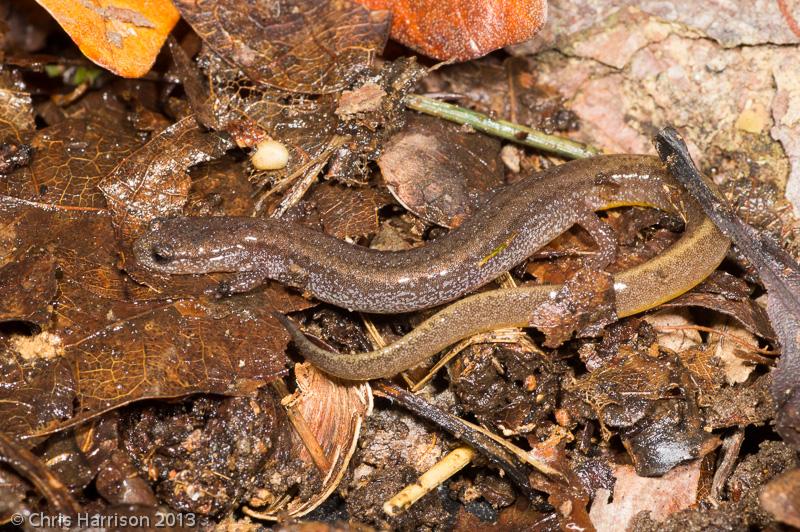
[(501, 128)]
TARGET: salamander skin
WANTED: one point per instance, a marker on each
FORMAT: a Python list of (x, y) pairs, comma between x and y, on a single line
[(685, 264), (514, 223)]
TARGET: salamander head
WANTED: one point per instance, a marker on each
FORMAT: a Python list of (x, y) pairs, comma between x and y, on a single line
[(193, 245)]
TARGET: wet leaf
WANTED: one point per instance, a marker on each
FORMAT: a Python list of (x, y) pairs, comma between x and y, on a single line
[(670, 434), (220, 187), (123, 36), (348, 212), (584, 305), (123, 342), (634, 392), (214, 352), (295, 45), (729, 295), (781, 498), (36, 392), (16, 111), (304, 125), (26, 280), (333, 412), (153, 181), (661, 496), (462, 29), (439, 172), (71, 157)]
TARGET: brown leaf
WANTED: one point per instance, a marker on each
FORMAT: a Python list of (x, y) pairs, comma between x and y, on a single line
[(220, 187), (180, 349), (71, 157), (16, 111), (439, 172), (304, 125), (123, 36), (781, 498), (121, 342), (333, 411), (25, 283), (295, 45), (727, 294), (660, 496), (35, 393), (153, 181), (462, 29), (583, 305), (348, 212), (635, 392)]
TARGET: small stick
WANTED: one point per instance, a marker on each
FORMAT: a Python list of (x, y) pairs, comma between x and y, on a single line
[(501, 128), (442, 470), (731, 337), (498, 336), (303, 430)]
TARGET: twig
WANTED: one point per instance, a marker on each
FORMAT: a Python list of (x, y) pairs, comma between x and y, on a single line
[(311, 170), (731, 446), (303, 430), (709, 330), (499, 336), (501, 128), (442, 470), (31, 467), (503, 454)]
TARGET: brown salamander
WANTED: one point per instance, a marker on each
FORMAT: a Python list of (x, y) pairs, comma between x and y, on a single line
[(685, 264), (513, 224)]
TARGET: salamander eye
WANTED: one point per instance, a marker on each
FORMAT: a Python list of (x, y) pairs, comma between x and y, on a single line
[(162, 252)]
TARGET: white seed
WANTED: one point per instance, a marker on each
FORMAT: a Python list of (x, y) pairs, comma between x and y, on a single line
[(270, 155)]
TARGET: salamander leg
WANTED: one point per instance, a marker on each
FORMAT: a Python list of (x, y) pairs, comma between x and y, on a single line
[(603, 236), (240, 283)]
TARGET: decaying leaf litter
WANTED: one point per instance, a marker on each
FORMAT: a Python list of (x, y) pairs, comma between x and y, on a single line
[(142, 393)]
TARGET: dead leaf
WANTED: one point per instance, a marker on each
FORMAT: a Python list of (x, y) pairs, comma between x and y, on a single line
[(661, 496), (306, 126), (734, 339), (16, 111), (462, 29), (583, 305), (35, 393), (153, 181), (123, 36), (728, 295), (294, 45), (683, 336), (439, 172), (334, 412), (781, 498), (348, 212), (123, 342), (180, 349), (71, 157)]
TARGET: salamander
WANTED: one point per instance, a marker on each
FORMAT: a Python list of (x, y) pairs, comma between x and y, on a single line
[(517, 221), (686, 263)]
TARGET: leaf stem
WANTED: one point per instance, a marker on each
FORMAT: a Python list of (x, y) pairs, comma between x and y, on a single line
[(501, 128)]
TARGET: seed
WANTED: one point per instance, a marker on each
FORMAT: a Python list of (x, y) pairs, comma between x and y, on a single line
[(270, 155)]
